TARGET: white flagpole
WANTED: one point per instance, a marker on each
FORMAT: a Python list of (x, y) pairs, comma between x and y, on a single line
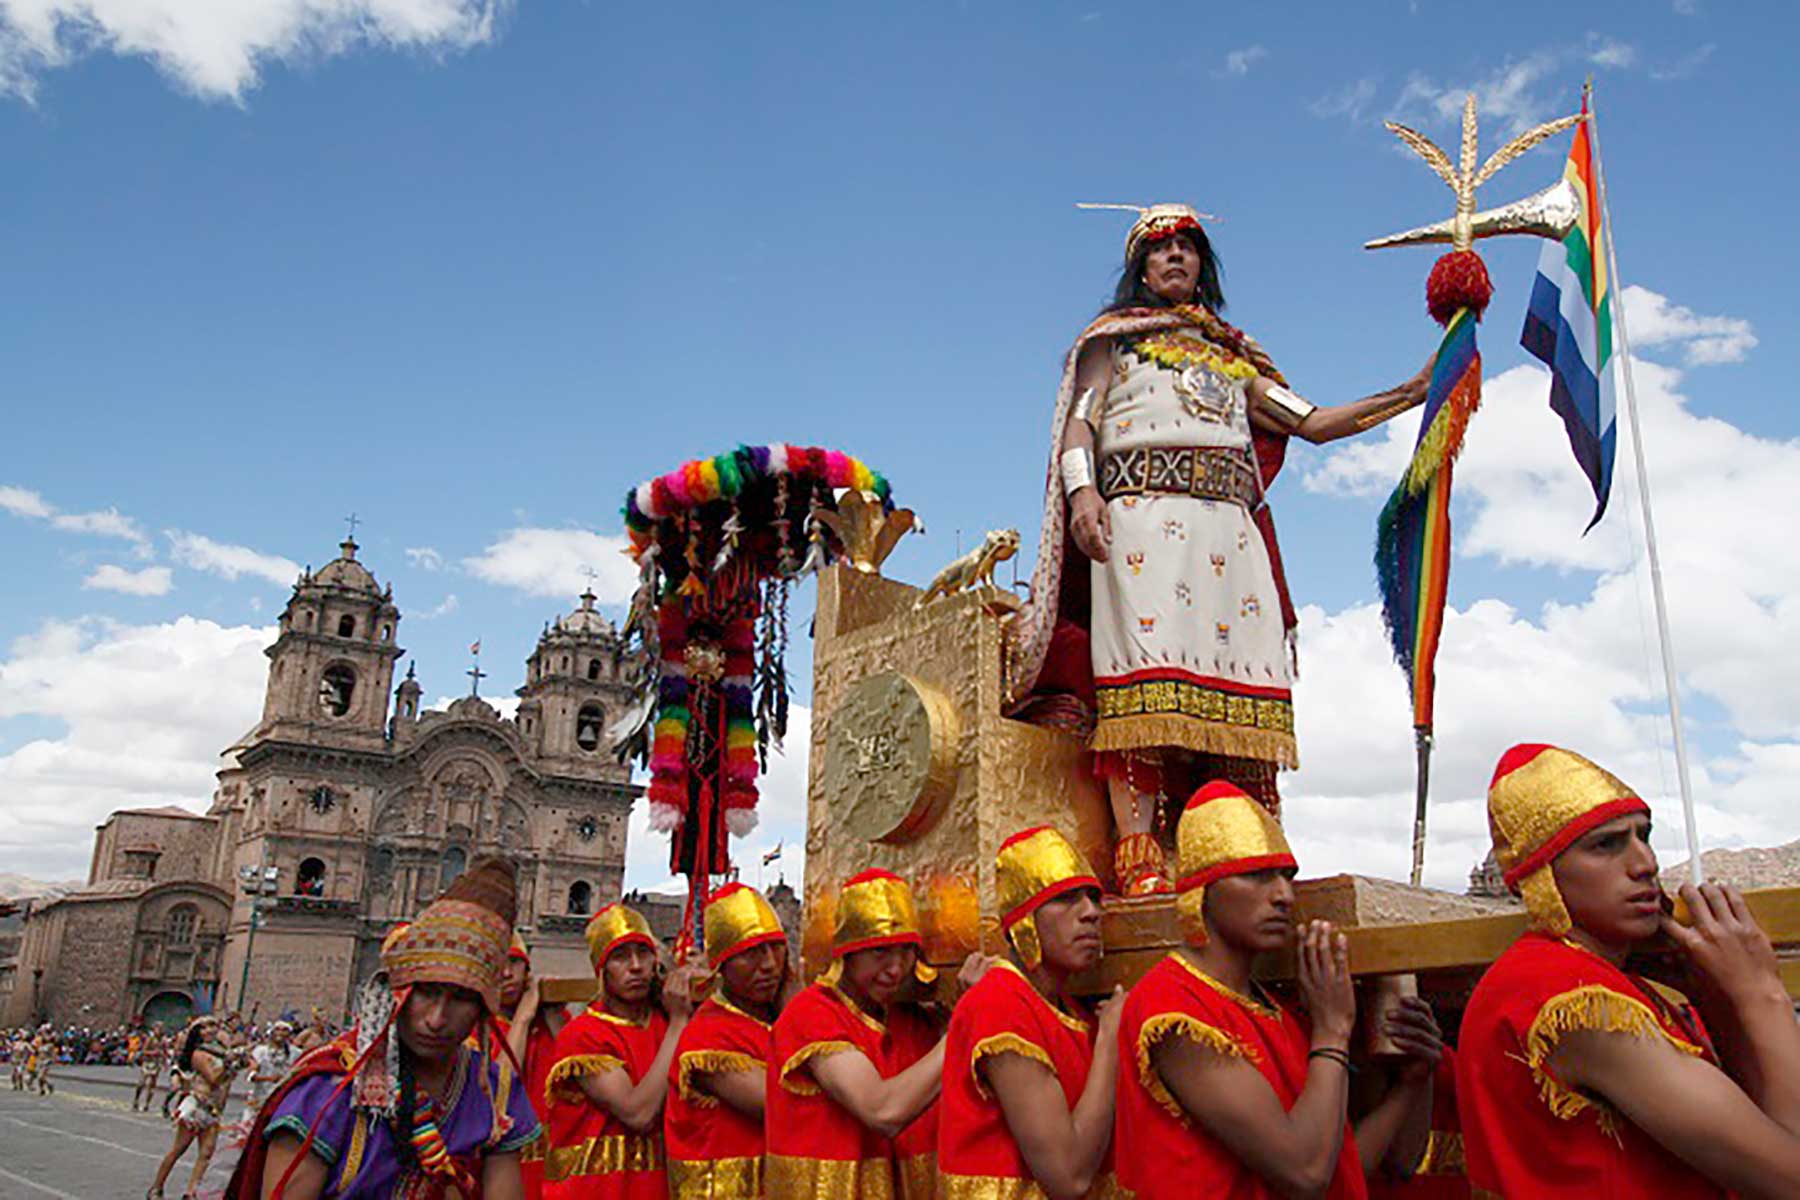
[(1671, 680)]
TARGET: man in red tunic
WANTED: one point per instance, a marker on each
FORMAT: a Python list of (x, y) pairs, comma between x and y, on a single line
[(530, 1030), (1222, 1090), (1027, 1106), (854, 1070), (610, 1071), (1576, 1078), (713, 1123)]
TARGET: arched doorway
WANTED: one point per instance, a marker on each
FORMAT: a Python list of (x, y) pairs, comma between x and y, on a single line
[(171, 1010)]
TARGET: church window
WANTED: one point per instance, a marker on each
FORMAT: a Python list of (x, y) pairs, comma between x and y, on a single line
[(310, 881), (182, 920), (565, 662), (322, 800), (336, 689), (587, 727), (346, 626), (387, 633), (455, 862), (586, 828), (581, 895), (593, 668)]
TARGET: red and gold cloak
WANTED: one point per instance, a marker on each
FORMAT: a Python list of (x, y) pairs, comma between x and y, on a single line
[(591, 1154), (715, 1152)]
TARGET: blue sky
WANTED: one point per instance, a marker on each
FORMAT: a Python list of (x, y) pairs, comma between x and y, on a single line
[(471, 270)]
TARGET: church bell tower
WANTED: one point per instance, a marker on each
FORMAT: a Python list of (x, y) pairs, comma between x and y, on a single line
[(332, 666)]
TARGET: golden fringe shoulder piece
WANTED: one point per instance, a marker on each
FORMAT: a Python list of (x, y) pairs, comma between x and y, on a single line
[(577, 1065), (1181, 1025), (1005, 1043), (804, 1055), (723, 1062), (1593, 1008)]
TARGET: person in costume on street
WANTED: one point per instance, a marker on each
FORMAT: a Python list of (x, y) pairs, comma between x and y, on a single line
[(713, 1124), (1224, 1091), (209, 1067), (1027, 1107), (1578, 1078), (402, 1105), (1170, 633), (530, 1028), (148, 1058), (609, 1071), (270, 1062), (854, 1068)]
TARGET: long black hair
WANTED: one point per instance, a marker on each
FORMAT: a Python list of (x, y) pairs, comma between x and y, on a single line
[(1133, 292), (185, 1060)]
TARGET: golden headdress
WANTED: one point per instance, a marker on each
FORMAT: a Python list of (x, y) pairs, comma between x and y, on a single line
[(461, 937), (1222, 832), (1034, 866), (876, 909), (1155, 222), (737, 919), (615, 926), (1541, 801)]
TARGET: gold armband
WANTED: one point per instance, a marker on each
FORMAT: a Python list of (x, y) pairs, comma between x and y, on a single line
[(1084, 409), (1286, 407)]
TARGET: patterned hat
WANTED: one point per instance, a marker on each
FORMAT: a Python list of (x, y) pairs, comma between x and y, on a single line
[(876, 909), (461, 937), (1222, 832), (1542, 800), (518, 949), (737, 919), (1033, 866), (615, 926)]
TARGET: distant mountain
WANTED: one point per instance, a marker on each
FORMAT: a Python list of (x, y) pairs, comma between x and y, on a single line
[(14, 886), (1756, 867)]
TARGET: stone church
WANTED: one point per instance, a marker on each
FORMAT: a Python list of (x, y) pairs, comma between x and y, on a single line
[(355, 808)]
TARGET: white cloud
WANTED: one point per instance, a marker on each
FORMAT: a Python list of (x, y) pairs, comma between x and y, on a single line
[(781, 819), (23, 502), (151, 581), (449, 605), (1582, 673), (552, 562), (1686, 8), (201, 553), (1351, 101), (1651, 320), (105, 522), (426, 558), (144, 712), (1238, 62), (217, 49), (1610, 52), (1516, 95)]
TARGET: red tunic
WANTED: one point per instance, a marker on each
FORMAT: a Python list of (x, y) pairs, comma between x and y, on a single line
[(715, 1151), (1524, 1132), (818, 1150), (540, 1053), (592, 1155), (1441, 1175), (1163, 1154), (978, 1157)]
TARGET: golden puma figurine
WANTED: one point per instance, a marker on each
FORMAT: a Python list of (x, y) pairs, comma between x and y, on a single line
[(974, 569)]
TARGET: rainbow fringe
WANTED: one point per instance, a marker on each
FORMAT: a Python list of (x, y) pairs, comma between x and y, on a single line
[(1412, 549)]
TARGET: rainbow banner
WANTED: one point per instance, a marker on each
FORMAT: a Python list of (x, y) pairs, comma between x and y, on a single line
[(1412, 540), (1568, 326)]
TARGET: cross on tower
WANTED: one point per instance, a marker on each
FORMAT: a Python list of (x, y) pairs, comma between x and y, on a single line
[(587, 596), (475, 673), (353, 522)]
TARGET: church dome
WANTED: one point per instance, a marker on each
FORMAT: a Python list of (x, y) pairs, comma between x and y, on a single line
[(345, 572), (587, 620)]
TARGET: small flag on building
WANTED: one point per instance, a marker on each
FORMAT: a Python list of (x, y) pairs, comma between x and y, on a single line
[(772, 855), (1569, 325), (475, 647)]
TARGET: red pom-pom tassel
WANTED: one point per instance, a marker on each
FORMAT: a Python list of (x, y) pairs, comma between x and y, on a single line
[(1458, 280)]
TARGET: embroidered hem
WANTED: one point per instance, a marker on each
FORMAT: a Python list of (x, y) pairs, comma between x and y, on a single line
[(1147, 731), (611, 1154), (716, 1179), (829, 1178)]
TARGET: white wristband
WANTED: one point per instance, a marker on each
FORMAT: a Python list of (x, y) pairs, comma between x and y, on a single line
[(1077, 469)]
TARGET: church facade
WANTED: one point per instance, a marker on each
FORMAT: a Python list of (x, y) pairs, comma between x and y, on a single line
[(348, 807)]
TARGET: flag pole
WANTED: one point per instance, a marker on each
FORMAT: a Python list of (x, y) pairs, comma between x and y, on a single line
[(1671, 679), (1422, 735)]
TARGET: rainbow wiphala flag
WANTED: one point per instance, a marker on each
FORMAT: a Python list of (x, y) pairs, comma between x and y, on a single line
[(1412, 546), (1569, 326)]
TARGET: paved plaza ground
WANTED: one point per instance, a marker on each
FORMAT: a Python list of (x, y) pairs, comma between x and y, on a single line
[(85, 1143)]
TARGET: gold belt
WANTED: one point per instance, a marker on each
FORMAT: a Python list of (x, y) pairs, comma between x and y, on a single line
[(1204, 472)]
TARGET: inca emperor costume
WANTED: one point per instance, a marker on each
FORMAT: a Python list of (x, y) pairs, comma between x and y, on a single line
[(1188, 626)]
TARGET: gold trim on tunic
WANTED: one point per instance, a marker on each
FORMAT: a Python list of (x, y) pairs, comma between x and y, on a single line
[(611, 1154), (794, 1178), (716, 1179), (804, 1055)]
